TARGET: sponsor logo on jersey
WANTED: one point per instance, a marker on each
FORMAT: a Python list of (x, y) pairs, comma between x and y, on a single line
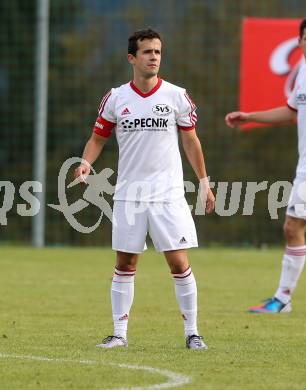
[(162, 109), (301, 98), (125, 111), (148, 124)]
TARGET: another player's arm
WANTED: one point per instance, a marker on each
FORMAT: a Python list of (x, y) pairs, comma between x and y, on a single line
[(279, 115), (92, 150), (193, 149)]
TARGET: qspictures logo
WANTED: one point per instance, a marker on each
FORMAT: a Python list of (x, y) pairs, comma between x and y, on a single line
[(231, 198)]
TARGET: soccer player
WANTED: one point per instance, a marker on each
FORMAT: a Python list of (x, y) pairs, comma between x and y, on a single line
[(295, 222), (147, 115)]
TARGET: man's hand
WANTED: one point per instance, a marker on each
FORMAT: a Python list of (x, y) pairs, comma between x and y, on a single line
[(82, 171), (206, 195), (236, 119)]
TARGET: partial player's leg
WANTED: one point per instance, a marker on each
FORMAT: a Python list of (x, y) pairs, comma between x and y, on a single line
[(172, 230), (122, 295), (186, 295), (128, 239), (293, 259), (292, 267), (122, 291)]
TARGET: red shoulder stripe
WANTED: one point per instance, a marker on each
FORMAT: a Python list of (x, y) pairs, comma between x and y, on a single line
[(192, 114), (103, 102)]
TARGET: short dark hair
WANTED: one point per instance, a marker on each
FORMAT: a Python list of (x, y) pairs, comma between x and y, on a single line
[(141, 35), (302, 27)]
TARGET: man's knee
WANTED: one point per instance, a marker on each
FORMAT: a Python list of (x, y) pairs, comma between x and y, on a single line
[(293, 228), (126, 261), (177, 261)]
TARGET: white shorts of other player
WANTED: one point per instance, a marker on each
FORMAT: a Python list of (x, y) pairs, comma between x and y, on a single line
[(297, 201), (170, 226)]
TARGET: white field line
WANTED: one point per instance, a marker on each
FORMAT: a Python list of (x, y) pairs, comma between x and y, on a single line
[(173, 379)]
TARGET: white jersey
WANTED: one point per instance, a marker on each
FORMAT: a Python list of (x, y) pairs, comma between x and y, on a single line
[(146, 126), (297, 102)]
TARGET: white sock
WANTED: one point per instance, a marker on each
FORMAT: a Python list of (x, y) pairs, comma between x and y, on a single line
[(122, 294), (186, 295), (292, 267)]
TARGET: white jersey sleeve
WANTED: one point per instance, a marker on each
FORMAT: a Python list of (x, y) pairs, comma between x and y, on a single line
[(106, 120), (292, 100), (186, 116)]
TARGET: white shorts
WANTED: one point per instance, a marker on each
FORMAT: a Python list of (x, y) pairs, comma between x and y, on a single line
[(297, 201), (170, 226)]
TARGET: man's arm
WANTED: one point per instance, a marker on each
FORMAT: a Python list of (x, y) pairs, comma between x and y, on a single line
[(279, 115), (91, 152), (192, 147)]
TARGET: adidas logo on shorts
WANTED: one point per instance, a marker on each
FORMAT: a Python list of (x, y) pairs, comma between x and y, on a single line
[(183, 240)]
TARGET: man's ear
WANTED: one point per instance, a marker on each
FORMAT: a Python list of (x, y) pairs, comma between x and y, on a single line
[(130, 58)]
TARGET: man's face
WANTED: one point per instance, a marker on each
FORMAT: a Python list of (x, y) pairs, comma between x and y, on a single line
[(302, 42), (147, 60)]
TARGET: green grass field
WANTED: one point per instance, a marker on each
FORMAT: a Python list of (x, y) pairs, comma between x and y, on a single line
[(55, 305)]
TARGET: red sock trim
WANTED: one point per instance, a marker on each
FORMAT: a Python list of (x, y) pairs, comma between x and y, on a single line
[(182, 275), (296, 252), (124, 273)]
